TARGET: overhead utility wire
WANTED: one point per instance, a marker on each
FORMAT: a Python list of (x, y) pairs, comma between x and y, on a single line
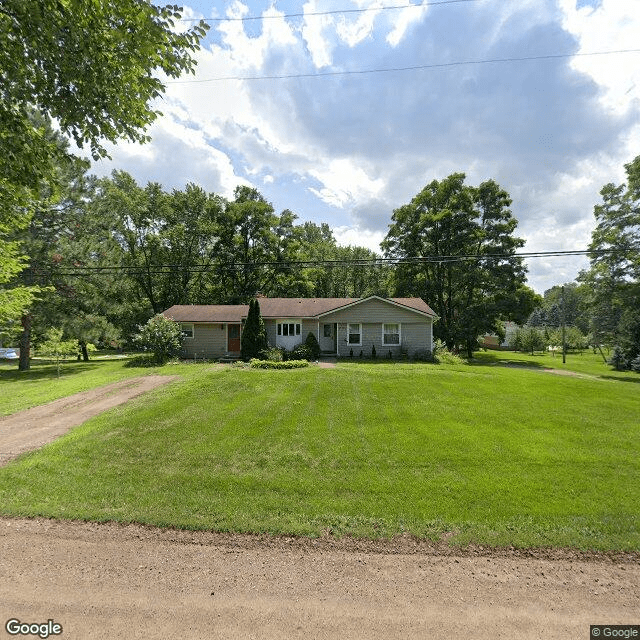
[(364, 262), (419, 67), (328, 13)]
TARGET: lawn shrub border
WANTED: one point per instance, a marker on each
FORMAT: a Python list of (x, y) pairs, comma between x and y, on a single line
[(271, 364)]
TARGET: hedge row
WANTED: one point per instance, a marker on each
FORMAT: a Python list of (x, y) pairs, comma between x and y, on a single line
[(272, 364)]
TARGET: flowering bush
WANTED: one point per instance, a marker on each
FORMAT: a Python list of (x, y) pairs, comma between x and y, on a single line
[(162, 337)]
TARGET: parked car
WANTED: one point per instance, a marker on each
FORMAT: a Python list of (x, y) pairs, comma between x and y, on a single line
[(9, 354)]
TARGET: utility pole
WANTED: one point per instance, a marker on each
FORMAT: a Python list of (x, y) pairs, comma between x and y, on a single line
[(564, 342)]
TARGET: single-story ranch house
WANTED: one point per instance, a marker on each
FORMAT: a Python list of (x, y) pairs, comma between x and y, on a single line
[(399, 325)]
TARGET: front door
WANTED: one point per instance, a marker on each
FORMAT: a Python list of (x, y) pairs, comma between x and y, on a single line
[(233, 338)]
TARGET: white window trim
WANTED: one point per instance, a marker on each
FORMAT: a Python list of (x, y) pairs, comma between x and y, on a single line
[(353, 324), (294, 321), (187, 324), (392, 344)]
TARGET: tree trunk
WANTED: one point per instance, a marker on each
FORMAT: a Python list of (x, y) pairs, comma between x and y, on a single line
[(25, 343), (83, 348)]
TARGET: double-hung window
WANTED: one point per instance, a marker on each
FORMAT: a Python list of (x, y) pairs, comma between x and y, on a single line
[(390, 334), (187, 329), (354, 334)]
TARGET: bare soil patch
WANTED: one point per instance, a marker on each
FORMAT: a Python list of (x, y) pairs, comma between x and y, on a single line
[(131, 581), (35, 427)]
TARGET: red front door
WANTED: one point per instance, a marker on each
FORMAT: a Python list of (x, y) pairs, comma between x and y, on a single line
[(233, 340)]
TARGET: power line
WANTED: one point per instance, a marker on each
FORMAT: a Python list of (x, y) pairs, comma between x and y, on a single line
[(328, 13), (420, 67), (166, 269)]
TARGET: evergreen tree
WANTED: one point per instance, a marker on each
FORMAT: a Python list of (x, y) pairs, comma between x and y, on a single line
[(254, 335)]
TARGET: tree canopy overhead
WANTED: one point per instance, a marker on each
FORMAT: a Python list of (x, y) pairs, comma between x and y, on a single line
[(92, 66), (472, 278)]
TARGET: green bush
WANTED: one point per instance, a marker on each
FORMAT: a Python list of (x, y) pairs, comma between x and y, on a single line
[(301, 352), (422, 355), (274, 354), (617, 360), (444, 356), (162, 337), (270, 364), (312, 344)]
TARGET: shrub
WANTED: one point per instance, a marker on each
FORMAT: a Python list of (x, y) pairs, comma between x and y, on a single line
[(635, 364), (162, 337), (269, 364), (301, 352), (444, 356), (422, 355), (274, 354), (618, 361), (312, 344)]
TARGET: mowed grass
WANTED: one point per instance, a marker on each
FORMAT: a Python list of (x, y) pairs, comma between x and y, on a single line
[(23, 389), (494, 455)]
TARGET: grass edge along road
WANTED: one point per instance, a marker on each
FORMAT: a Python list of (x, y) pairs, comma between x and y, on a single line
[(495, 455)]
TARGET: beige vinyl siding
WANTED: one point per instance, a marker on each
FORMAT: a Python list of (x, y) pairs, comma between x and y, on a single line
[(373, 310), (270, 326), (415, 336), (209, 341), (309, 325)]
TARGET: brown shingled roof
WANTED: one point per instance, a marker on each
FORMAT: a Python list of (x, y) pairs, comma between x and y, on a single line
[(207, 312), (278, 308)]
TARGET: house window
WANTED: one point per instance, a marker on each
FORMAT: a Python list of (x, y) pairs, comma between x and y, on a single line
[(354, 334), (288, 328), (187, 329), (326, 328), (390, 335)]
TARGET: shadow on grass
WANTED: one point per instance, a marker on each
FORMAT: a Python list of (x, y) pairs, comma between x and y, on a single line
[(46, 369), (490, 360), (630, 378)]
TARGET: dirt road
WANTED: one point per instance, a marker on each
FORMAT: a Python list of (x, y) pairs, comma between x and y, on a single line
[(113, 581), (33, 428)]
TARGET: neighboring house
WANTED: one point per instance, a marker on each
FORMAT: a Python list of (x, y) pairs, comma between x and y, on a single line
[(491, 340), (340, 325)]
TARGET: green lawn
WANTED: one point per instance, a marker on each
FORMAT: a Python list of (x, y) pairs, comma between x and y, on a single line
[(39, 385), (499, 455)]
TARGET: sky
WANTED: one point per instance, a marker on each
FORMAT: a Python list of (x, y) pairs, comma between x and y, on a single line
[(349, 149)]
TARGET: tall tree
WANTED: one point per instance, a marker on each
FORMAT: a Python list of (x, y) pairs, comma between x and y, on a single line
[(462, 239), (93, 67), (614, 274)]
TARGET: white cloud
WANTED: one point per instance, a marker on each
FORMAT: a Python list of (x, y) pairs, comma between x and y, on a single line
[(611, 26), (314, 32), (353, 31), (405, 19), (344, 183), (354, 236)]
